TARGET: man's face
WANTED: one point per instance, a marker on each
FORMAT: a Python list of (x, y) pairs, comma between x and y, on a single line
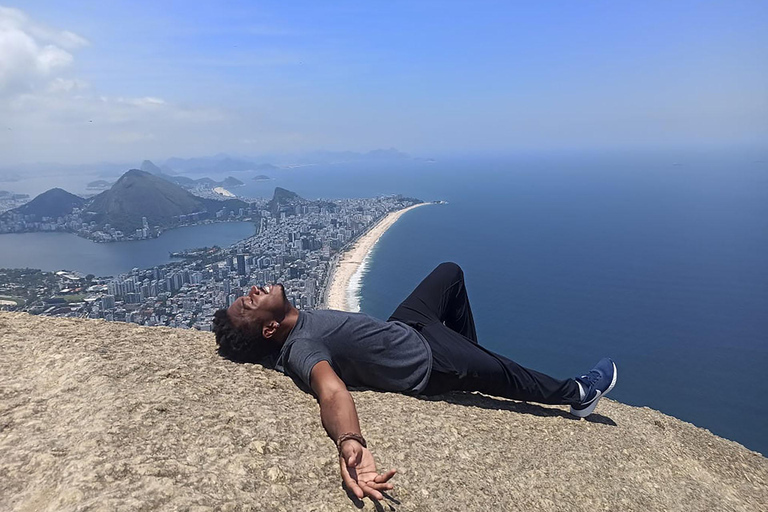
[(258, 308)]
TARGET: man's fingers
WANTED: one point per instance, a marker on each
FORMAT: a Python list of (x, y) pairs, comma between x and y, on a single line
[(386, 476), (381, 486), (370, 491), (350, 482)]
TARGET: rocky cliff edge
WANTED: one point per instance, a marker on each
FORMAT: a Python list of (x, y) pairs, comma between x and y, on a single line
[(110, 416)]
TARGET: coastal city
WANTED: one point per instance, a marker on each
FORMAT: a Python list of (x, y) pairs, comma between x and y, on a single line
[(298, 243)]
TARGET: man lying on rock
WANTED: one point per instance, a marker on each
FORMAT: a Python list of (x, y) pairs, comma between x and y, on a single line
[(428, 346)]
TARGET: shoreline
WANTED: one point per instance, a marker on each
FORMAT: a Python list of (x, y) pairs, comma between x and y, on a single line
[(346, 273)]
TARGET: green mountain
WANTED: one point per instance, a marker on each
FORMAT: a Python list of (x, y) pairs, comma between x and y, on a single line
[(231, 182), (281, 200), (140, 194), (52, 203)]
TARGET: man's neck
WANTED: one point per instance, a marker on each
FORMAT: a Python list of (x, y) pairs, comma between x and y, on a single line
[(287, 325)]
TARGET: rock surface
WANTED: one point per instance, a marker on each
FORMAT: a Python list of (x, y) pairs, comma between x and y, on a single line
[(110, 416)]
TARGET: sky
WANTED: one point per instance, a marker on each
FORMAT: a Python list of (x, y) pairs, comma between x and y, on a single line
[(88, 81)]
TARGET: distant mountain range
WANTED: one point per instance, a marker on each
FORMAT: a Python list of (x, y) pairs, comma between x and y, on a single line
[(183, 181), (216, 164), (135, 195), (99, 185), (332, 157), (222, 163)]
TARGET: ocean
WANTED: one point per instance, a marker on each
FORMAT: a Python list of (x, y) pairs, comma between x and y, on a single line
[(657, 263), (656, 259)]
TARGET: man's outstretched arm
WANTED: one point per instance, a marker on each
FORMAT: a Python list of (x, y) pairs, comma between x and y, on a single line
[(339, 416)]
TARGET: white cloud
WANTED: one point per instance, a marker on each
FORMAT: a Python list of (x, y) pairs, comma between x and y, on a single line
[(50, 57), (71, 40), (11, 18), (48, 115), (14, 19), (30, 53), (65, 85), (71, 123), (146, 101)]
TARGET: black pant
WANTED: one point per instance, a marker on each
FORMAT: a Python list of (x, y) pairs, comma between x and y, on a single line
[(439, 309)]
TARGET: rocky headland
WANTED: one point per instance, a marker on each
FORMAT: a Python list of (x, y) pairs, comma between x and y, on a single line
[(111, 416)]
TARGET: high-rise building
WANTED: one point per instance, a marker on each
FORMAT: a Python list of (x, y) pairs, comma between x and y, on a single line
[(241, 264), (108, 302), (178, 281)]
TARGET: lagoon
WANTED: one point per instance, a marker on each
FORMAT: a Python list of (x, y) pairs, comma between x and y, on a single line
[(58, 251)]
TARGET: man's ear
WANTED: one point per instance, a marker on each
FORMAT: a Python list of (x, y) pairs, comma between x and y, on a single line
[(269, 329)]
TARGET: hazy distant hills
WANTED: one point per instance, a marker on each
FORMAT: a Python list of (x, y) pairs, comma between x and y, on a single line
[(148, 166), (222, 163), (183, 181), (214, 164), (52, 203), (98, 185), (330, 157), (140, 194)]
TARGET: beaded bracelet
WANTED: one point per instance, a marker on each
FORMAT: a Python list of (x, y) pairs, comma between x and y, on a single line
[(350, 435)]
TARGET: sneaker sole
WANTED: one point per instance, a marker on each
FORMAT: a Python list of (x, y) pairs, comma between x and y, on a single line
[(583, 413)]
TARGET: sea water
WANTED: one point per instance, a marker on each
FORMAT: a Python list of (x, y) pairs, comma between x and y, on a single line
[(660, 263)]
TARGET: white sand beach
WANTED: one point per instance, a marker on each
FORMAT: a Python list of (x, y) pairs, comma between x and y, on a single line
[(349, 266), (223, 192)]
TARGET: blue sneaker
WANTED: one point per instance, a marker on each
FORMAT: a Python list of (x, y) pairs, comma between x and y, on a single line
[(595, 384)]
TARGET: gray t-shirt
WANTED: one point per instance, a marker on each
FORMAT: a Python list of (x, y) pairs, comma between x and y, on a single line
[(362, 350)]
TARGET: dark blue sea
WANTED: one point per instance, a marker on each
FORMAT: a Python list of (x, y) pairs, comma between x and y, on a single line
[(657, 259), (660, 262)]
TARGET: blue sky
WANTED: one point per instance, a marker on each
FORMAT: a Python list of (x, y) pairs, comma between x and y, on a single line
[(93, 80)]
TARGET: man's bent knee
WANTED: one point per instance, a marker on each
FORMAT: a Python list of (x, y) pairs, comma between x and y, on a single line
[(450, 267)]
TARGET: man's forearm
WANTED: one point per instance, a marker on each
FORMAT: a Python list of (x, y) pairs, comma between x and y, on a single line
[(338, 414)]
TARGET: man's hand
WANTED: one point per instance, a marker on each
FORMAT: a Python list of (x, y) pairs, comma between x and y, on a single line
[(358, 471), (338, 414)]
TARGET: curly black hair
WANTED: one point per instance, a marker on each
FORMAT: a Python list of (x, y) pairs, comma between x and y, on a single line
[(236, 345)]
